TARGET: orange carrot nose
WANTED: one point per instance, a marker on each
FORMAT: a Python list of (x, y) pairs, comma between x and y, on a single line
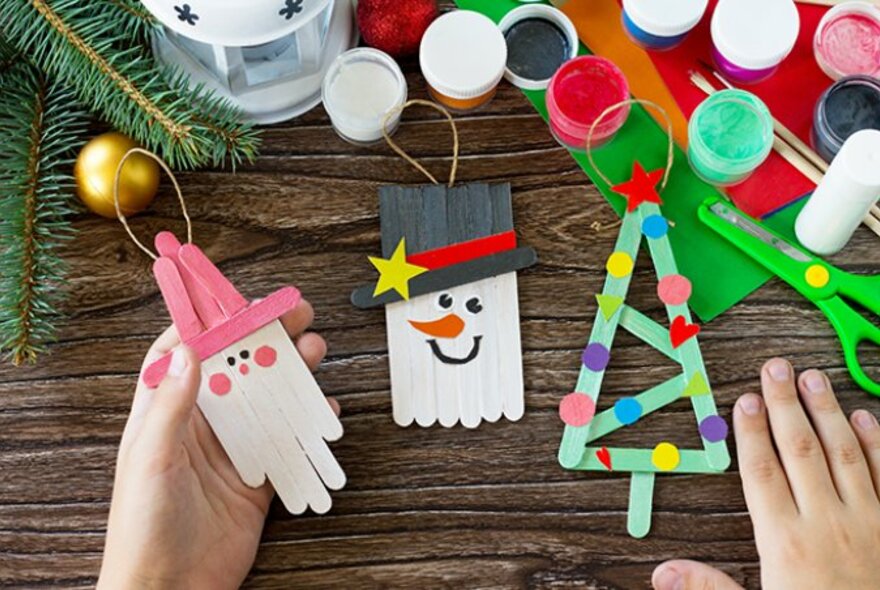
[(449, 326)]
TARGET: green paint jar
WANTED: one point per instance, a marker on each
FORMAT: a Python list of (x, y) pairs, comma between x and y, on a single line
[(729, 135)]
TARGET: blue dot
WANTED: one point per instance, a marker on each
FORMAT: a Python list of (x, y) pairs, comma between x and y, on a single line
[(655, 226), (627, 410)]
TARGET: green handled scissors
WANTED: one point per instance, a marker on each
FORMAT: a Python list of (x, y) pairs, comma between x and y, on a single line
[(828, 287)]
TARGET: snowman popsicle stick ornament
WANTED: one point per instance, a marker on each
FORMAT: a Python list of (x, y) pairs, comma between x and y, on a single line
[(447, 278), (256, 391)]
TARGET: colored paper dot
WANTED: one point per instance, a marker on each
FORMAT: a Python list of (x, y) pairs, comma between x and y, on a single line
[(674, 289), (817, 276), (596, 357), (577, 409), (655, 226), (713, 428), (219, 384), (265, 356), (665, 456), (619, 265), (627, 410)]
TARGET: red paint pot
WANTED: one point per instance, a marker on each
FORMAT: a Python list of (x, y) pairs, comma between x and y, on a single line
[(578, 93)]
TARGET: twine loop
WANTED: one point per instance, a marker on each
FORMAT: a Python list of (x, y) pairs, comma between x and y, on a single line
[(121, 216), (415, 163)]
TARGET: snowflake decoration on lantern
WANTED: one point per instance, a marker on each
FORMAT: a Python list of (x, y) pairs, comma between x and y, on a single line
[(186, 14), (291, 7)]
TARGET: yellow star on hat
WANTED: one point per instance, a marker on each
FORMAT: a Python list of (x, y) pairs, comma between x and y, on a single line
[(395, 272)]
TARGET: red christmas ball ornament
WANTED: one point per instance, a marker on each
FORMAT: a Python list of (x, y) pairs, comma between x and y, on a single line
[(395, 26)]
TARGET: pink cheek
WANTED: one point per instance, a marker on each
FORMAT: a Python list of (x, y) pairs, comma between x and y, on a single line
[(265, 356), (243, 369), (219, 384)]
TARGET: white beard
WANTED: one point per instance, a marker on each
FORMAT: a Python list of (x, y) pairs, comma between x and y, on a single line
[(426, 389)]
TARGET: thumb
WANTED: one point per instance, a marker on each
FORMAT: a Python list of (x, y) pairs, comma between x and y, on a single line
[(173, 402), (681, 574)]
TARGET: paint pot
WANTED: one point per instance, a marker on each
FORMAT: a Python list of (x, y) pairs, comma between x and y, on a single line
[(360, 88), (843, 198), (661, 24), (578, 93), (539, 39), (730, 134), (847, 40), (750, 38), (849, 105), (463, 56)]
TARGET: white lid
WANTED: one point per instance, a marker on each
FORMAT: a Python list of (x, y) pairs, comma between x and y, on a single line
[(861, 157), (235, 23), (463, 54), (755, 34), (547, 13), (665, 18)]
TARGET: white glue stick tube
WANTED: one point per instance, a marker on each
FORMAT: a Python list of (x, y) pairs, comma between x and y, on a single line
[(844, 197)]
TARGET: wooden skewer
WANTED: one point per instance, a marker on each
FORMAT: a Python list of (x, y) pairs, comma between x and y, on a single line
[(789, 146)]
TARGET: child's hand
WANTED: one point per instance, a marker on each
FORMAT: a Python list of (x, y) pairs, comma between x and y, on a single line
[(813, 499), (180, 516)]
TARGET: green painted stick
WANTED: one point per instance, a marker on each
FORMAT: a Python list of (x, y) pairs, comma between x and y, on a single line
[(623, 459), (641, 501), (647, 330), (651, 400)]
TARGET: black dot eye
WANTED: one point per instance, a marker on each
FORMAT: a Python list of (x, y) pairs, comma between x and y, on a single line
[(244, 355), (473, 305), (231, 361), (445, 301)]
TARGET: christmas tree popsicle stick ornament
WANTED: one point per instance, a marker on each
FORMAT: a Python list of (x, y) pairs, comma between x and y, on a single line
[(447, 279), (256, 391), (643, 220)]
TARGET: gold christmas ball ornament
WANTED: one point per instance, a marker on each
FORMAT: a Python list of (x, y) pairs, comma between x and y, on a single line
[(95, 171)]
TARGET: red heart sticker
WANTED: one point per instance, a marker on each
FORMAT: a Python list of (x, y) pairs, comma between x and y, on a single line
[(604, 457), (680, 331)]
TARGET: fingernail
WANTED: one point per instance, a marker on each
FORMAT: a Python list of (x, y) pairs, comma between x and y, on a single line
[(178, 363), (815, 382), (668, 579), (750, 404), (866, 420), (779, 370)]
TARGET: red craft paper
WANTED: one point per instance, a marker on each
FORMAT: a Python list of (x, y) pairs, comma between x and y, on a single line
[(791, 94)]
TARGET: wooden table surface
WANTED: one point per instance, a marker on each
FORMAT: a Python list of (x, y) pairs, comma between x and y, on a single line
[(424, 508)]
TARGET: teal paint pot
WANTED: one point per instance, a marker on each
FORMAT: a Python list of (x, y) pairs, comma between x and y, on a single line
[(730, 134)]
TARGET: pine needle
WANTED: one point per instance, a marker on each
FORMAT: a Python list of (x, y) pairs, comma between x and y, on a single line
[(41, 125)]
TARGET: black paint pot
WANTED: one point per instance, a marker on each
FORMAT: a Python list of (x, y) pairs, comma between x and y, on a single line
[(539, 39), (851, 104)]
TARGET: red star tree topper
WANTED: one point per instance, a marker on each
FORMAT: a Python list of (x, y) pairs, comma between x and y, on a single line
[(641, 188)]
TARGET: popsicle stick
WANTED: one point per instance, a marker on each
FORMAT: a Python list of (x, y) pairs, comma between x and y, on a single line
[(212, 280), (623, 459), (641, 500), (209, 313), (650, 400), (422, 364), (402, 395), (510, 363), (302, 405), (233, 421), (646, 329), (491, 393), (183, 315)]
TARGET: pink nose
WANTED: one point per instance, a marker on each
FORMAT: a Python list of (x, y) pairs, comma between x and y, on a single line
[(243, 368)]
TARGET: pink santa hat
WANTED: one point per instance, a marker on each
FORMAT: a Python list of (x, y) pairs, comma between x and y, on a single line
[(206, 308)]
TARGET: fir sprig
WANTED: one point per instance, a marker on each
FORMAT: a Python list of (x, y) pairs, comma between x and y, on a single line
[(40, 124), (90, 47)]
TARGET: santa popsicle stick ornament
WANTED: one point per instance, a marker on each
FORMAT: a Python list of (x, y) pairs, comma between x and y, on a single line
[(447, 280), (256, 392)]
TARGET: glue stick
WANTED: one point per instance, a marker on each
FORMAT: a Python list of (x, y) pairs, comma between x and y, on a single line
[(844, 197)]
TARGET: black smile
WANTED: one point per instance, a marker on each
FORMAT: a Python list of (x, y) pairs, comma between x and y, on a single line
[(475, 350)]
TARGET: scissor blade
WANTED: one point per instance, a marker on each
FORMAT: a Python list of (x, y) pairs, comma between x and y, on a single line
[(755, 230)]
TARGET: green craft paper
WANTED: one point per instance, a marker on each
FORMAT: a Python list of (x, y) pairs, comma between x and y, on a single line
[(721, 275)]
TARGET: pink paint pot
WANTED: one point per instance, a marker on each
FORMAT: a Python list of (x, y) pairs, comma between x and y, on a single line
[(581, 90), (847, 40), (750, 38)]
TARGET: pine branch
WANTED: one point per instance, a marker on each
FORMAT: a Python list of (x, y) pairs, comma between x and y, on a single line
[(41, 126), (88, 46)]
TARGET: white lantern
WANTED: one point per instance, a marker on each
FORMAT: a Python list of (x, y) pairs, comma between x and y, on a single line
[(268, 57)]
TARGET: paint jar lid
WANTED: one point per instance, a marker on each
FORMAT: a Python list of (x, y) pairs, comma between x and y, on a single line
[(847, 40), (861, 157), (463, 54), (665, 18), (755, 34), (561, 32), (361, 87)]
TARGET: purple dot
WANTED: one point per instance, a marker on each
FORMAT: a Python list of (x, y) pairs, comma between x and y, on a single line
[(713, 428), (596, 357)]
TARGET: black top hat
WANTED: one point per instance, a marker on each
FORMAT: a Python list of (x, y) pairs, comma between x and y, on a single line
[(450, 236)]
